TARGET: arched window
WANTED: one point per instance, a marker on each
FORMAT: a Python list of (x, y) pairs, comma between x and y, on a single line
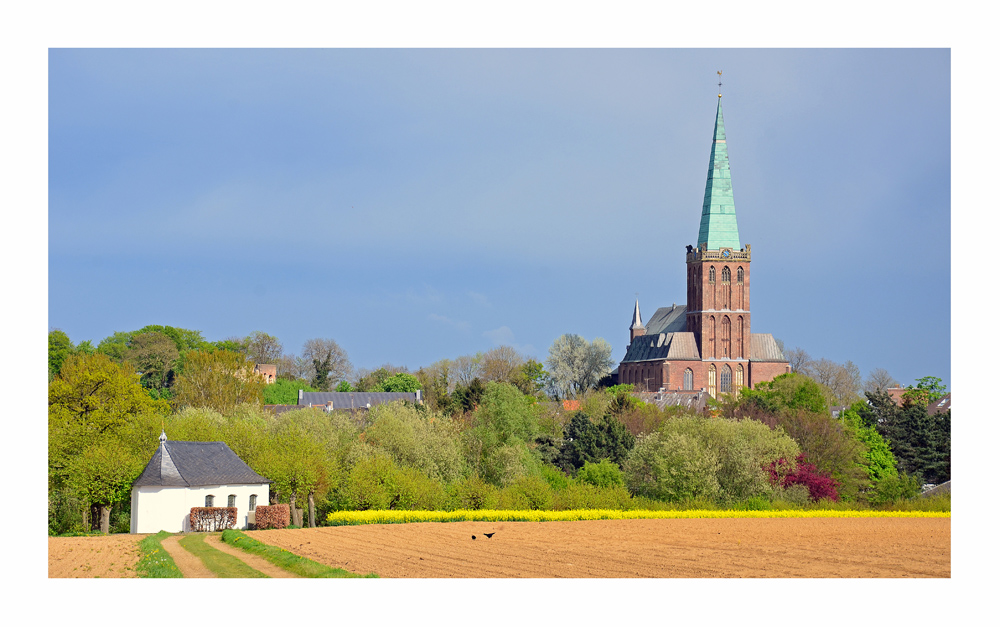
[(739, 275), (232, 500), (711, 380), (210, 500), (253, 502), (739, 377), (726, 385), (726, 336), (726, 276), (711, 274), (689, 379)]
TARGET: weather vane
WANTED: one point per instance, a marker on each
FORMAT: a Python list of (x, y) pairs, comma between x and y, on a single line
[(720, 83)]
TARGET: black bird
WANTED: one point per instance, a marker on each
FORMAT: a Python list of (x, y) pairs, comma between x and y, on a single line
[(473, 537), (488, 535)]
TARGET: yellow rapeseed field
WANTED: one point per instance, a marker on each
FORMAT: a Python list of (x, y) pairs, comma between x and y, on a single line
[(491, 515)]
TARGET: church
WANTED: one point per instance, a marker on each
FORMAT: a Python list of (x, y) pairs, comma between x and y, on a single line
[(706, 345)]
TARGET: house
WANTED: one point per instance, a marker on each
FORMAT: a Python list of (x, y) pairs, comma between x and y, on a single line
[(939, 406), (705, 343), (355, 400), (182, 475)]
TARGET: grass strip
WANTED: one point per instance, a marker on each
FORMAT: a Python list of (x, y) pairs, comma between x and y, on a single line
[(400, 516), (154, 562), (287, 560), (222, 564)]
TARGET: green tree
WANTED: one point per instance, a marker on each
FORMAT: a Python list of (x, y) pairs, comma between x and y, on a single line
[(154, 355), (879, 462), (504, 424), (100, 422), (591, 441), (326, 362), (60, 348), (927, 390), (603, 474), (399, 382), (221, 380), (429, 443), (285, 392)]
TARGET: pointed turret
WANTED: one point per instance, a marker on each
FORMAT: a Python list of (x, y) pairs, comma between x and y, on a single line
[(636, 329), (718, 213)]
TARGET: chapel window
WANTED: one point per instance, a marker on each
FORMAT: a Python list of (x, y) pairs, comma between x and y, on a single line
[(232, 500), (210, 501), (711, 380), (253, 502)]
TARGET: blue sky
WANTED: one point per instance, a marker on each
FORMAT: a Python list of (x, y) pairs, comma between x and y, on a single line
[(421, 204)]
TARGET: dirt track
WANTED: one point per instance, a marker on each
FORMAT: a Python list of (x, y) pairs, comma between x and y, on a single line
[(816, 547)]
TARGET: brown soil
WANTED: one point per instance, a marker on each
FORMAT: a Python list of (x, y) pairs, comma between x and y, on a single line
[(94, 556), (809, 547)]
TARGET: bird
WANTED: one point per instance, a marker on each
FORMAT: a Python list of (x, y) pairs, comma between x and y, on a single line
[(488, 535), (473, 537)]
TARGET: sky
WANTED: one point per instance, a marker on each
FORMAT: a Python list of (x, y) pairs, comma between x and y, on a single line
[(422, 204)]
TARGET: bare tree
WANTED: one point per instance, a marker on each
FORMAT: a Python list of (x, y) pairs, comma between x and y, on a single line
[(263, 348), (879, 380), (843, 380), (799, 361), (466, 368), (501, 364), (327, 354)]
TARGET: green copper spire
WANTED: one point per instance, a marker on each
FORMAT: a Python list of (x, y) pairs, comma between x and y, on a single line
[(718, 214)]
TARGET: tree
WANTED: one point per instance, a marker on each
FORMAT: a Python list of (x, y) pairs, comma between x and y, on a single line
[(326, 361), (285, 392), (927, 390), (843, 380), (879, 380), (154, 354), (798, 360), (60, 348), (591, 441), (100, 421), (399, 382), (576, 365), (221, 380), (263, 348), (502, 363), (466, 368)]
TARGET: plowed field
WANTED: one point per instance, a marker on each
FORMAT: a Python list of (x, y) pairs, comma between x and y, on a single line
[(809, 547)]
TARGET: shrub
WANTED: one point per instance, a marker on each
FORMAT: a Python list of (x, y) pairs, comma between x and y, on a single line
[(473, 493), (212, 518), (272, 516), (603, 474), (586, 496), (802, 473), (528, 492)]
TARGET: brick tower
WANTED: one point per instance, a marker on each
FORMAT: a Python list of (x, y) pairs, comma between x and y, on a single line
[(706, 344)]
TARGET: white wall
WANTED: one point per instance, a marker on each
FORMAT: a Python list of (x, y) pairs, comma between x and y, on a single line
[(157, 508)]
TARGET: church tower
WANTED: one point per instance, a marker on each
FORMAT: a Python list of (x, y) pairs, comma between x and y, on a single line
[(705, 346), (718, 269)]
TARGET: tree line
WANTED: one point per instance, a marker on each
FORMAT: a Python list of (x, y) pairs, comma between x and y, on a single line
[(488, 434)]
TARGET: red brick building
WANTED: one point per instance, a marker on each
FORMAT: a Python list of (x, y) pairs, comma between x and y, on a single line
[(707, 343)]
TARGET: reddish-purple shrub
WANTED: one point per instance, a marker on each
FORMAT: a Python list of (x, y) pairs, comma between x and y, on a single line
[(212, 518), (785, 474), (272, 516)]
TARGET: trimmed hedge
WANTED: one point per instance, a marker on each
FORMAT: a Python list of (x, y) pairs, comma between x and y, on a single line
[(272, 516), (212, 518)]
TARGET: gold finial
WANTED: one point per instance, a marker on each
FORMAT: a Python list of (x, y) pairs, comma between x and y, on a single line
[(720, 83)]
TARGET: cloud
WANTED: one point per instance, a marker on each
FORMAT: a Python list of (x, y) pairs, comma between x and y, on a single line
[(461, 325), (480, 299)]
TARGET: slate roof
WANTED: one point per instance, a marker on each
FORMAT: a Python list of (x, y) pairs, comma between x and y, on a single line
[(764, 348), (941, 405), (356, 400), (679, 346), (179, 464), (693, 400), (667, 320)]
